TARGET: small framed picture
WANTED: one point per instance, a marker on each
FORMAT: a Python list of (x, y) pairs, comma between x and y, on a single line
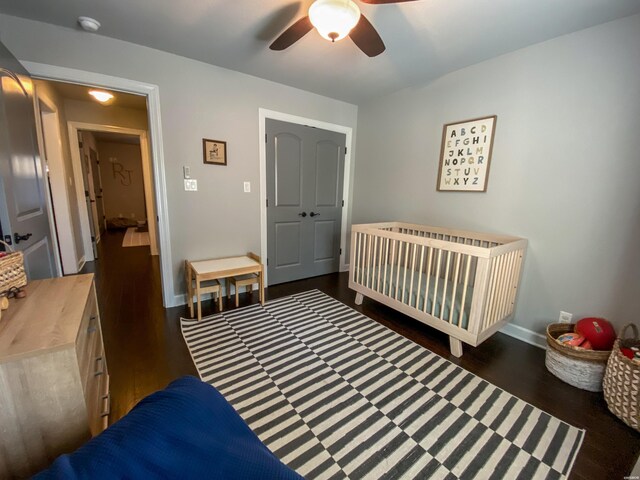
[(214, 152)]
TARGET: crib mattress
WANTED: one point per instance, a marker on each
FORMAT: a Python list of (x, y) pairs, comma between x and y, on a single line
[(415, 298)]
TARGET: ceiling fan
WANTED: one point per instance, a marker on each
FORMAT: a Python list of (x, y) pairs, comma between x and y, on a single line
[(334, 20)]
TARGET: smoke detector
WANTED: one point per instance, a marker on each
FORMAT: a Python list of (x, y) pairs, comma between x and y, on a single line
[(89, 24)]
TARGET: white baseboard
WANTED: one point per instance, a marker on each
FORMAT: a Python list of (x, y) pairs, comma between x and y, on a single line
[(525, 335)]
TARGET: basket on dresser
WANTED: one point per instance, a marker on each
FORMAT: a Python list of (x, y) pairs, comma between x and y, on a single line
[(12, 273)]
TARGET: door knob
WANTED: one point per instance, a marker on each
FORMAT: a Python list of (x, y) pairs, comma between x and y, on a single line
[(313, 214), (19, 238), (303, 214)]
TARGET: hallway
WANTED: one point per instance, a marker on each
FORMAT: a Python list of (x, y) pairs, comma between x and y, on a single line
[(142, 340)]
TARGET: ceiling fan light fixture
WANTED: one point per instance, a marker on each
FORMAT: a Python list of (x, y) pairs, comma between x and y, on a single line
[(334, 19)]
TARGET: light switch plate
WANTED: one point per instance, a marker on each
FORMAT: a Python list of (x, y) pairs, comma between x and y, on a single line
[(190, 185), (247, 187), (187, 171)]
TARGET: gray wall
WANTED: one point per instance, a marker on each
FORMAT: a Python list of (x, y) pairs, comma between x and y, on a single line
[(565, 171), (197, 101), (122, 185)]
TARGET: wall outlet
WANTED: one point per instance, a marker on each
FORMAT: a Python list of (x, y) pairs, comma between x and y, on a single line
[(247, 187), (190, 185), (565, 317)]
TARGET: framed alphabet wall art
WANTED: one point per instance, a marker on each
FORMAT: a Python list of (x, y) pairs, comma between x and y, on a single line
[(465, 155), (214, 152)]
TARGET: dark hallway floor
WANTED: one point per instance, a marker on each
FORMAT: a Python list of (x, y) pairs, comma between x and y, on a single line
[(145, 351)]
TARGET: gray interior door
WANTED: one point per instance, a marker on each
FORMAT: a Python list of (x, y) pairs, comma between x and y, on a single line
[(305, 172), (23, 194)]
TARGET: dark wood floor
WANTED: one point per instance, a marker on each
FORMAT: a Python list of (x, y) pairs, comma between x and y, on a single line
[(145, 351)]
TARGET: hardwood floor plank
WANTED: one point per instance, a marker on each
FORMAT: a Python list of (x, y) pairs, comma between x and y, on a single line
[(145, 351)]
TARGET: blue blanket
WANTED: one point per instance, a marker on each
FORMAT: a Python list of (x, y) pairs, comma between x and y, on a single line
[(188, 430)]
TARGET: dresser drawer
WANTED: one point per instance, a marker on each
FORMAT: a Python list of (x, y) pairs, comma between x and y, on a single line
[(87, 333), (99, 405)]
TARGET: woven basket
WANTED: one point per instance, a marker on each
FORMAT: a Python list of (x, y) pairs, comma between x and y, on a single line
[(622, 381), (12, 272), (581, 368)]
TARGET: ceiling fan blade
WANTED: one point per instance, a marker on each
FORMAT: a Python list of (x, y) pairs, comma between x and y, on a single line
[(292, 34), (366, 38), (384, 2)]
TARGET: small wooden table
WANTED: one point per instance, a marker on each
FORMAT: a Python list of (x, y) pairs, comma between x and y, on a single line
[(217, 268)]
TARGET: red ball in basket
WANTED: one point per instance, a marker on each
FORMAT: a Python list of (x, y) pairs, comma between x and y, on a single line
[(598, 331)]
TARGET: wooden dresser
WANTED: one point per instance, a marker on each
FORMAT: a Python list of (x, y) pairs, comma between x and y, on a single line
[(54, 384)]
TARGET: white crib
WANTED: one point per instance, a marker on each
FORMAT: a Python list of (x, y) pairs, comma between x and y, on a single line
[(462, 283)]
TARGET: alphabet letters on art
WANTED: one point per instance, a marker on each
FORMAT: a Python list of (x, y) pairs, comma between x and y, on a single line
[(465, 155)]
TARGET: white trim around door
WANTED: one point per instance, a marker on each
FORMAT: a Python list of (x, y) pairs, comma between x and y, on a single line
[(70, 75), (263, 115)]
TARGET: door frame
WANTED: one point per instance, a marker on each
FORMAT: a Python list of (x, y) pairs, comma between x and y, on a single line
[(74, 128), (48, 126), (263, 115), (152, 92)]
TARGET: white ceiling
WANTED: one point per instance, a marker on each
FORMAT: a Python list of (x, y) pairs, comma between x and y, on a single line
[(425, 39)]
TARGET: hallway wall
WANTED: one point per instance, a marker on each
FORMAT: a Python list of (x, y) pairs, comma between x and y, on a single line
[(122, 185)]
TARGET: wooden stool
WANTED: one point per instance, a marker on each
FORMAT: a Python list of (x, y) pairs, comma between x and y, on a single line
[(247, 280), (242, 281), (207, 286)]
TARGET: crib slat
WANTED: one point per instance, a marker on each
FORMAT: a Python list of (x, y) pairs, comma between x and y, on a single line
[(497, 294), (358, 270), (374, 263), (465, 286), (435, 285), (413, 269), (398, 263), (456, 274), (516, 276), (504, 280), (504, 286), (391, 266), (363, 257), (386, 262), (420, 271), (490, 289), (506, 303), (428, 271), (495, 273), (404, 274), (445, 280), (369, 273), (379, 263)]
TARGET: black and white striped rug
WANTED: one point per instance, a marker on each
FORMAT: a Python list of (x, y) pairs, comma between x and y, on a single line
[(335, 394)]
